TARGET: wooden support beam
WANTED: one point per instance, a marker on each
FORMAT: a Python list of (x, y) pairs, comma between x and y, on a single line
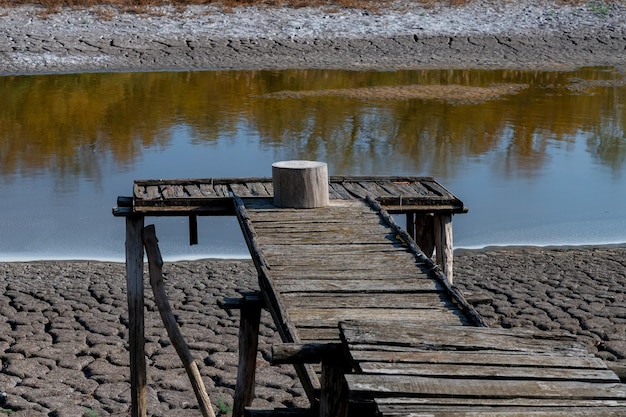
[(193, 230), (248, 346), (443, 243), (335, 364), (410, 224), (134, 292), (155, 263), (425, 233), (292, 353)]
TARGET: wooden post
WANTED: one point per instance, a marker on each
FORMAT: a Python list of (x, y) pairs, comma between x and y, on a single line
[(334, 390), (443, 242), (248, 346), (134, 292), (300, 184), (410, 224), (425, 233), (155, 263)]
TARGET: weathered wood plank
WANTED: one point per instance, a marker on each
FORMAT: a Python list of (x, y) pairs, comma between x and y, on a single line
[(505, 408), (355, 189), (357, 285), (401, 385), (258, 189), (207, 190), (324, 238), (173, 191), (510, 371), (319, 250), (464, 338), (377, 272), (372, 353), (326, 317), (153, 193), (339, 190), (388, 299), (374, 189), (240, 190)]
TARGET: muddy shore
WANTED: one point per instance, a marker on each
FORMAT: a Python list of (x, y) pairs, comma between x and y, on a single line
[(63, 336), (481, 34)]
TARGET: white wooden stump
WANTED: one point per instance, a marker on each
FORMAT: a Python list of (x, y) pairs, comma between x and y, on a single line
[(300, 184)]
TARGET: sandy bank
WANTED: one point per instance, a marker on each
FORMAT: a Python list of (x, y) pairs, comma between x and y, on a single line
[(482, 34)]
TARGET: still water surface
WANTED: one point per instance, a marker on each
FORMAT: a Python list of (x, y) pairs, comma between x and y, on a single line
[(538, 157)]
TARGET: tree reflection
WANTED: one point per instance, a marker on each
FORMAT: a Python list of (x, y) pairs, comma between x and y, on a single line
[(65, 125)]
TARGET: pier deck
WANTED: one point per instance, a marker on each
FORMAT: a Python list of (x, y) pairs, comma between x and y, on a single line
[(397, 338)]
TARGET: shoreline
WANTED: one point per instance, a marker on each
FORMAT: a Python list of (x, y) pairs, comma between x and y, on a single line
[(487, 34), (457, 251)]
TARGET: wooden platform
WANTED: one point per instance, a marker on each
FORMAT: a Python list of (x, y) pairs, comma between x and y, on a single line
[(399, 338), (345, 274), (412, 369), (321, 266), (213, 196)]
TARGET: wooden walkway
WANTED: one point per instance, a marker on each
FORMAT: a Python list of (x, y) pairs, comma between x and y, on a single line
[(392, 333), (342, 262), (347, 274)]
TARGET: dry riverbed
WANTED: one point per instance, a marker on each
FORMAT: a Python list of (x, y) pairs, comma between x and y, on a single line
[(63, 335)]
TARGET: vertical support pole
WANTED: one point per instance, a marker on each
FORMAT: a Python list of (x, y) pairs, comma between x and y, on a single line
[(134, 291), (334, 391), (443, 242), (193, 229), (425, 233), (248, 346), (410, 224)]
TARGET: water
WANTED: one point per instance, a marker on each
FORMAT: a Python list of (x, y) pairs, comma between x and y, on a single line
[(538, 157)]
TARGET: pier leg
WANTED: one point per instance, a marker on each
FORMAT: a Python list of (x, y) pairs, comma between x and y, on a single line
[(248, 346), (334, 392), (425, 233), (443, 242), (410, 224), (134, 289)]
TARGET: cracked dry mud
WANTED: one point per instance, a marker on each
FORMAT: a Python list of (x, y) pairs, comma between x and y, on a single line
[(63, 335), (481, 34)]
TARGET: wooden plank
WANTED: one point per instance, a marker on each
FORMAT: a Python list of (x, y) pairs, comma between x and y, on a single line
[(193, 190), (257, 189), (240, 190), (325, 317), (357, 285), (139, 192), (464, 338), (482, 371), (373, 353), (327, 237), (420, 189), (375, 189), (313, 299), (153, 193), (339, 190), (355, 189), (319, 250), (506, 408), (377, 272), (207, 190), (410, 386)]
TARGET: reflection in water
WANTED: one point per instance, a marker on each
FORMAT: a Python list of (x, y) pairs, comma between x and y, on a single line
[(87, 128)]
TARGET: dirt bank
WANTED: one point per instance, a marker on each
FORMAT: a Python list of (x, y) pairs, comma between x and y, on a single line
[(481, 34)]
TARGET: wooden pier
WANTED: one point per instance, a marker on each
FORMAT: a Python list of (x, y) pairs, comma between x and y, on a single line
[(372, 323)]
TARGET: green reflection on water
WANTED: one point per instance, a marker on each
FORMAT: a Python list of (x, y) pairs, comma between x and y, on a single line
[(61, 125)]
